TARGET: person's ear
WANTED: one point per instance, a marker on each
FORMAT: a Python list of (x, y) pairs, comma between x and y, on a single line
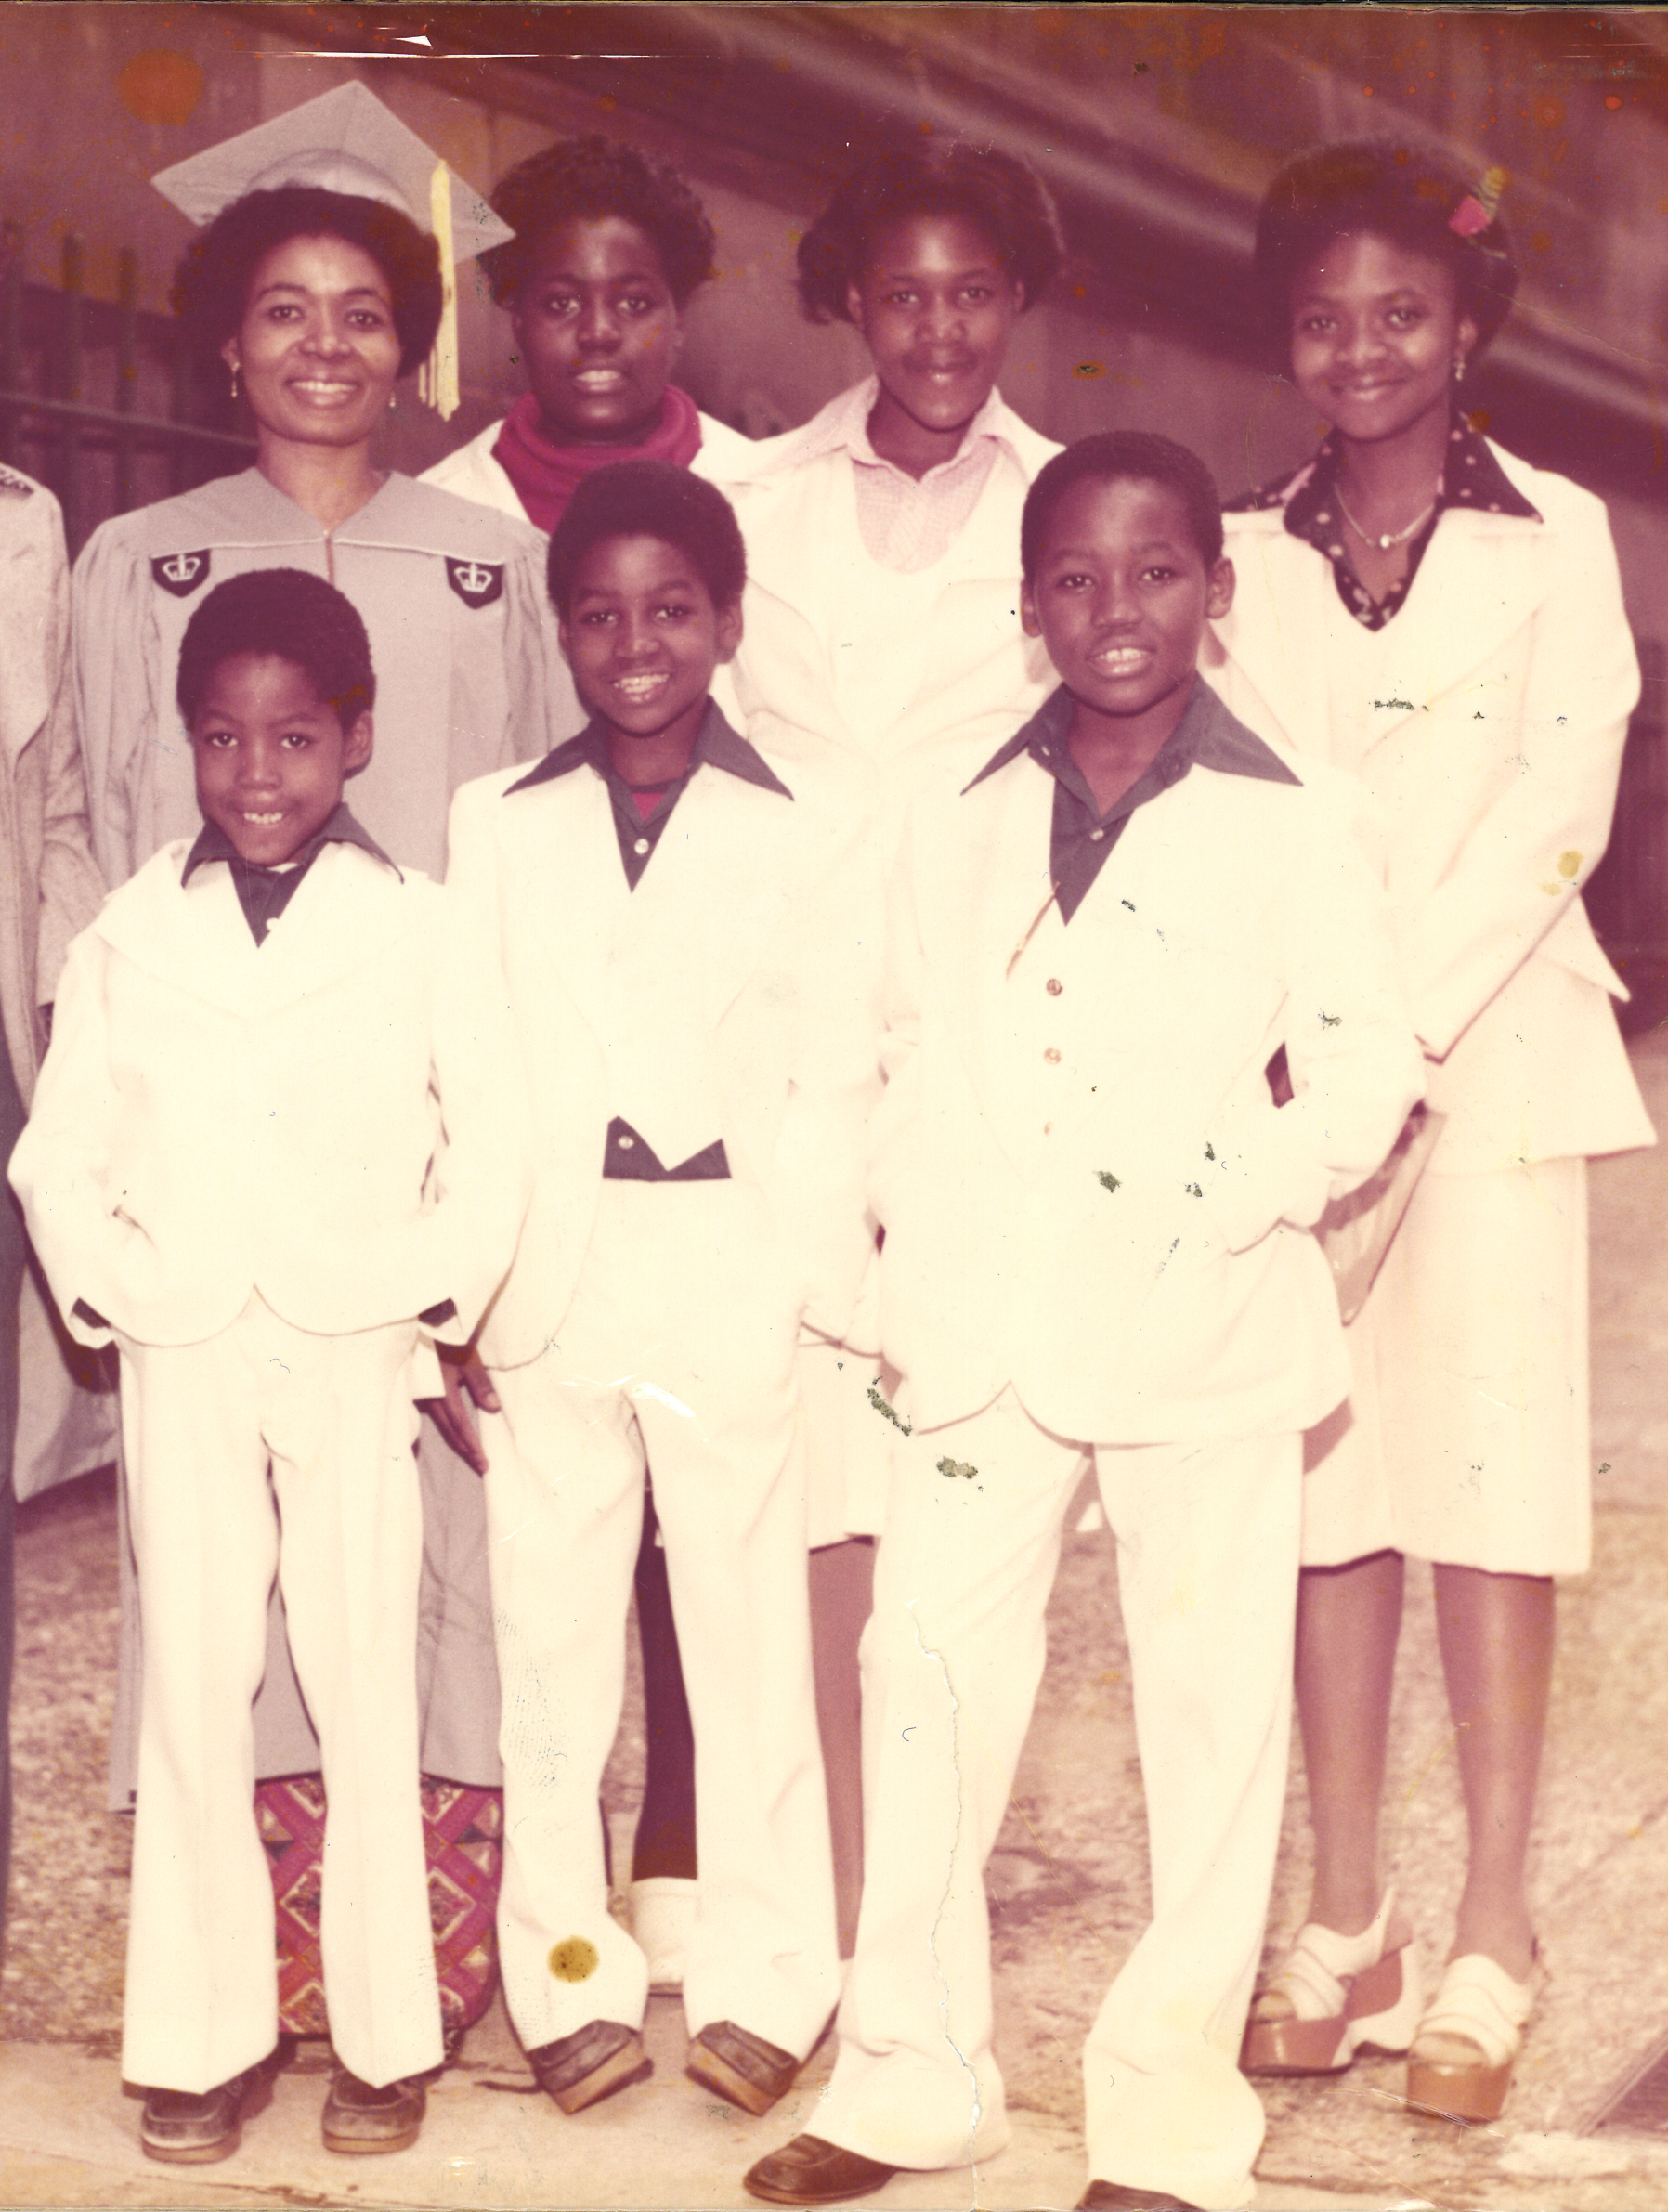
[(1218, 596), (1028, 621), (1464, 341), (358, 742), (728, 630), (232, 356), (563, 637), (1019, 297), (854, 307), (676, 346)]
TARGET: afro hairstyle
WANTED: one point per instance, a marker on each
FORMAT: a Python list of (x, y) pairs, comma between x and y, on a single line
[(650, 499), (1385, 190), (1122, 456), (590, 177), (292, 615), (1001, 195), (211, 285)]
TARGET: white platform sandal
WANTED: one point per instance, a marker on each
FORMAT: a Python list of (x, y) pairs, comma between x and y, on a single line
[(1335, 1995), (1460, 2066)]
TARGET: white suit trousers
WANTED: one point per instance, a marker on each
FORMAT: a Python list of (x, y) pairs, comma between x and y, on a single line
[(1207, 1559), (676, 1352), (333, 1418)]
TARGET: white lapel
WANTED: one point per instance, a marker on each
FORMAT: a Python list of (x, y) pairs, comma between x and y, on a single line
[(568, 879), (991, 917), (344, 915), (195, 936), (1482, 577), (722, 874)]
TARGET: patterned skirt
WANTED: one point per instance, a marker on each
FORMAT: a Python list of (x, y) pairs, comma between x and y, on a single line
[(462, 1835)]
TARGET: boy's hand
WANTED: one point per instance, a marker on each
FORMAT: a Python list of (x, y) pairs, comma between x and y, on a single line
[(465, 1379)]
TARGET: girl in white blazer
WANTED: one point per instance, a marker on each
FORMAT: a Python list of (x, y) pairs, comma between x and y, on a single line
[(1432, 613), (883, 607)]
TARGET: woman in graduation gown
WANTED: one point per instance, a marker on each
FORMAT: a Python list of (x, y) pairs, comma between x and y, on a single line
[(319, 284), (1422, 607)]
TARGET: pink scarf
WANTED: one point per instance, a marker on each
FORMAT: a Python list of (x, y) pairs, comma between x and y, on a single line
[(546, 476)]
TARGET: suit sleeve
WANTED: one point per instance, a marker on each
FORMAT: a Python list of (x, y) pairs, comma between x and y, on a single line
[(482, 1178), (71, 887), (818, 1168), (60, 1165), (1529, 855), (1356, 1067)]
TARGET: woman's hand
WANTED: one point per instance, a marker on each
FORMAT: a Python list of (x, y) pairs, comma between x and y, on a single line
[(465, 1379)]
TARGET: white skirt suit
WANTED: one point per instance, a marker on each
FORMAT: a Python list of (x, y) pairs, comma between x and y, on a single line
[(1487, 718)]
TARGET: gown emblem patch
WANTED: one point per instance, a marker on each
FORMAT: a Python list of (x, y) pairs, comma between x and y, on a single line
[(476, 583), (182, 572)]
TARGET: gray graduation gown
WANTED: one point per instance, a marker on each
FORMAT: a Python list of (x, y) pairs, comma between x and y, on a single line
[(465, 652)]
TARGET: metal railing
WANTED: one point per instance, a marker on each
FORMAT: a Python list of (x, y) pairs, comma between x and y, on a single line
[(60, 427)]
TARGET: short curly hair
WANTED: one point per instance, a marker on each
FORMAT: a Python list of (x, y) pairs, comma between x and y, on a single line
[(1387, 190), (211, 285), (1001, 194), (294, 616), (649, 499), (593, 176), (1121, 456)]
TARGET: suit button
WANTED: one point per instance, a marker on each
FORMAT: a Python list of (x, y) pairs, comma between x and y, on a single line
[(1053, 986), (641, 846), (1095, 835), (1052, 1056), (626, 1143)]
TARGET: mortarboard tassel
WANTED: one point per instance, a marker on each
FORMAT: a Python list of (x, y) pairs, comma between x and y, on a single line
[(438, 380)]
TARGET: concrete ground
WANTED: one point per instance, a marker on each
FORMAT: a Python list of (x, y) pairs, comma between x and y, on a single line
[(1068, 1885)]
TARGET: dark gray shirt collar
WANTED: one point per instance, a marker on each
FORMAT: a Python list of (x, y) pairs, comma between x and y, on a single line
[(716, 746), (1081, 836), (264, 892)]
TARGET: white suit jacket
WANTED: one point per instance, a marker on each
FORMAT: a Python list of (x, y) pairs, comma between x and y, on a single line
[(216, 1118), (1087, 1190), (769, 915), (1493, 746)]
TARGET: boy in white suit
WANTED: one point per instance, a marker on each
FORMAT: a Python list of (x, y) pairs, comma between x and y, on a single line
[(1096, 1239), (276, 1143), (685, 939)]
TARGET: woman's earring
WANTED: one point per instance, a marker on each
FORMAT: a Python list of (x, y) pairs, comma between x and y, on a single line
[(392, 401), (1459, 368), (234, 380)]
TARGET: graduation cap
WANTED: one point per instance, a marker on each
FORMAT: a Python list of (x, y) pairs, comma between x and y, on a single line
[(346, 141)]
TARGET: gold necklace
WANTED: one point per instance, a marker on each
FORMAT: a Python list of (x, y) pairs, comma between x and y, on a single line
[(1387, 538)]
